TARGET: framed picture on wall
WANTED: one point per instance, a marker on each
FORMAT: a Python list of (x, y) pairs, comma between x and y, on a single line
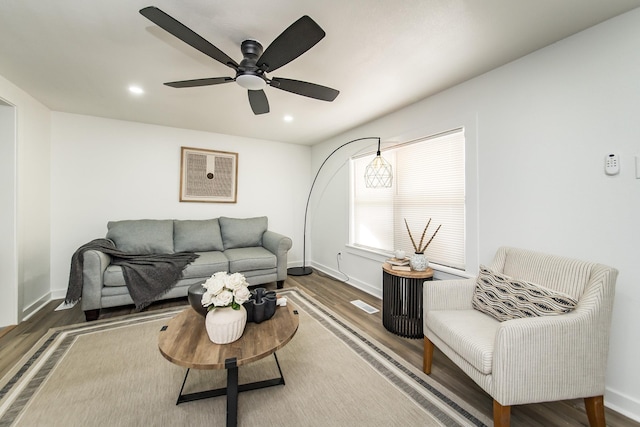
[(208, 176)]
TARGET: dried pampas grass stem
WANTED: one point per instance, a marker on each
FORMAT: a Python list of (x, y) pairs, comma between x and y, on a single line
[(419, 249)]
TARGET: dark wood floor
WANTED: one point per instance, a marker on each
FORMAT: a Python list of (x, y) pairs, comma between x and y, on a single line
[(14, 342)]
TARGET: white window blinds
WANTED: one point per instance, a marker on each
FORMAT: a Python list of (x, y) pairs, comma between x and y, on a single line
[(428, 183)]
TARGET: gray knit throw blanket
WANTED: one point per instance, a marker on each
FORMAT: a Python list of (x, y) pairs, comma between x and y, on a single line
[(147, 276)]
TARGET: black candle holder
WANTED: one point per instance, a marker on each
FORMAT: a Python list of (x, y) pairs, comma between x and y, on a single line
[(261, 305)]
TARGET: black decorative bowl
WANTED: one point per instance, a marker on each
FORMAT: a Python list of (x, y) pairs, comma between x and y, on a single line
[(194, 295), (261, 305)]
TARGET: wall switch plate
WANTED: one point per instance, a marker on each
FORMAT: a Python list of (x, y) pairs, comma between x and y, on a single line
[(637, 167)]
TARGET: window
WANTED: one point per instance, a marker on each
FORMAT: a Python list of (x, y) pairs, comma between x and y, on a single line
[(429, 182)]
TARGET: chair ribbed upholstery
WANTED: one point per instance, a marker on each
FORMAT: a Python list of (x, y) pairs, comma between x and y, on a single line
[(534, 359)]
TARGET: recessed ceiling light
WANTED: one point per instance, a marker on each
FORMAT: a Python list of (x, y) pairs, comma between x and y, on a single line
[(137, 90), (288, 118)]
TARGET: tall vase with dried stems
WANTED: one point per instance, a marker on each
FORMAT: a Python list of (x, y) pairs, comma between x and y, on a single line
[(418, 261)]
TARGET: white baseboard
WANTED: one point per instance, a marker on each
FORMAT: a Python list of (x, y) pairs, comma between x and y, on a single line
[(59, 293), (353, 282), (35, 306), (623, 404)]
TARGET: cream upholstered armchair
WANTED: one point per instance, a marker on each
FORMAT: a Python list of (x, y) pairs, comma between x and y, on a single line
[(555, 345)]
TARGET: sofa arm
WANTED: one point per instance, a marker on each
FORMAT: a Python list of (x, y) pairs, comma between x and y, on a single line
[(448, 294), (279, 245), (93, 267), (558, 357)]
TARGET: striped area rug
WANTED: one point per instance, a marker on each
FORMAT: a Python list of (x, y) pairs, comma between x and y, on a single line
[(111, 373)]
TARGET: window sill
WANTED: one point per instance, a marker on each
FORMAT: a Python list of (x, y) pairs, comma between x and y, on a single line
[(441, 272)]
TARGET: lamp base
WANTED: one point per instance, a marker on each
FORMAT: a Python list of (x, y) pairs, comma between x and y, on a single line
[(299, 271)]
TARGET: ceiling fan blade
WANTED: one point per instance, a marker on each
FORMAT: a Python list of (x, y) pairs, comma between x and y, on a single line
[(258, 101), (311, 90), (200, 82), (298, 38), (187, 35)]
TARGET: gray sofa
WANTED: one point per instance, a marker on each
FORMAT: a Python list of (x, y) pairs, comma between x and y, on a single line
[(243, 245)]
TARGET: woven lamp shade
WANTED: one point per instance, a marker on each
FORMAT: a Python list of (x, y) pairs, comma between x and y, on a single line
[(378, 173)]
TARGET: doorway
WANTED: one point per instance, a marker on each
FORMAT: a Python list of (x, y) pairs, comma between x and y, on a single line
[(8, 217)]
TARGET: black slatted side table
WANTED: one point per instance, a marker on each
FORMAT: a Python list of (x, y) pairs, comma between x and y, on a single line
[(402, 300)]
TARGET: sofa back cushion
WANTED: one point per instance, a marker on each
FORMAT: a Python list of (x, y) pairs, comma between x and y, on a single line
[(142, 236), (197, 235), (242, 232)]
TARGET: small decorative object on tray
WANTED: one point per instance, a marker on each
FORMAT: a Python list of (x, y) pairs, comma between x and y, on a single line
[(261, 305)]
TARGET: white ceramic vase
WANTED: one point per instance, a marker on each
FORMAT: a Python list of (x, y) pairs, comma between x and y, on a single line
[(225, 325), (418, 262)]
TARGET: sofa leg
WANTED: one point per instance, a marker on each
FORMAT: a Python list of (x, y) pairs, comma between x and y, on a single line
[(427, 357), (595, 410), (280, 284), (92, 315), (501, 415)]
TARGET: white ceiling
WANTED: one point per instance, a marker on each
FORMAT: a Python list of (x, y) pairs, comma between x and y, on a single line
[(80, 56)]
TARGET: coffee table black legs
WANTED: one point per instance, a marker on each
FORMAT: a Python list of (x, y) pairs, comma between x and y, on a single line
[(231, 390)]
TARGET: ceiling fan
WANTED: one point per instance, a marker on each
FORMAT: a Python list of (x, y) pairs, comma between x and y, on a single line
[(299, 37)]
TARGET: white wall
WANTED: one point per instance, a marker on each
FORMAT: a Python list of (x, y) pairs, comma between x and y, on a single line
[(544, 126), (8, 245), (30, 287), (104, 170)]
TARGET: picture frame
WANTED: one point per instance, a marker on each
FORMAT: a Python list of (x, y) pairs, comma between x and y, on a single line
[(208, 176)]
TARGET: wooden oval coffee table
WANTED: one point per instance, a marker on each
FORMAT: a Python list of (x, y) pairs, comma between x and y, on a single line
[(184, 341)]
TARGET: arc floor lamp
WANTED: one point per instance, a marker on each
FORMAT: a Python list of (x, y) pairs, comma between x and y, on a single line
[(378, 174)]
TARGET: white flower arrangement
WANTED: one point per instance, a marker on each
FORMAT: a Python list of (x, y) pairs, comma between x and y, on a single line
[(225, 290)]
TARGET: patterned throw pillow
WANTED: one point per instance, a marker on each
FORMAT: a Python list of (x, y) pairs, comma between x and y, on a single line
[(505, 298)]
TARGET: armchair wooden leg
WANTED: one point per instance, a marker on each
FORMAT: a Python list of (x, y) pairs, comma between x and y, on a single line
[(427, 357), (595, 410), (501, 415)]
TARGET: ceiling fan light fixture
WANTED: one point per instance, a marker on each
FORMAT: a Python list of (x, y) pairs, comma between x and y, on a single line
[(295, 40), (251, 82)]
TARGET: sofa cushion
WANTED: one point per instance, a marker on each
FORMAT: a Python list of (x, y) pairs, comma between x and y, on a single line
[(242, 232), (205, 265), (197, 235), (113, 276), (505, 298), (247, 259), (470, 333), (142, 236)]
